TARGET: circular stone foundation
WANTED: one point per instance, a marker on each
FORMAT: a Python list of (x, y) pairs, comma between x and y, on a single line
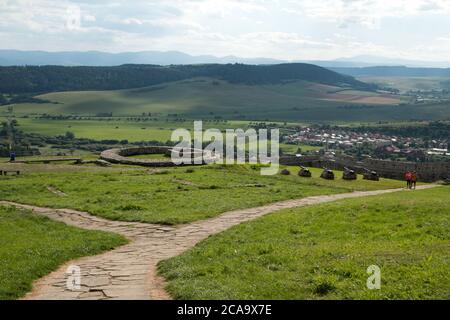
[(123, 156)]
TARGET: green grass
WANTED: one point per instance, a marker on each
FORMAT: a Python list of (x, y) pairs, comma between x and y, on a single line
[(32, 246), (100, 130), (200, 99), (408, 83), (127, 130), (117, 129), (292, 148), (169, 196), (155, 156), (323, 252)]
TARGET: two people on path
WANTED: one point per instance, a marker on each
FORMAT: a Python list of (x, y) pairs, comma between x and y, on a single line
[(411, 179)]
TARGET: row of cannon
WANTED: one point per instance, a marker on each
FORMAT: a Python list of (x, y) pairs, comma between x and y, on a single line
[(328, 174)]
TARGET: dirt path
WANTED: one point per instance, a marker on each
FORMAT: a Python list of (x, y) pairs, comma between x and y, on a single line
[(129, 272)]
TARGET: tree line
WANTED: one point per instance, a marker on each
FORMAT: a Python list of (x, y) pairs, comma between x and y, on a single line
[(41, 79)]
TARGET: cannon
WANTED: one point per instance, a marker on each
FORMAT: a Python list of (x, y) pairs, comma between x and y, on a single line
[(285, 172), (304, 172), (349, 174), (327, 174), (371, 175)]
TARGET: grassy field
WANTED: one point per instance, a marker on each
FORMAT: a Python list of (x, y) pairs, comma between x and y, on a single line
[(168, 196), (118, 129), (204, 98), (127, 130), (157, 156), (100, 130), (292, 148), (32, 246), (323, 252), (405, 84)]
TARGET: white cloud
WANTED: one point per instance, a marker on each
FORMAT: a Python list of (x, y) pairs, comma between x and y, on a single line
[(284, 29), (367, 13)]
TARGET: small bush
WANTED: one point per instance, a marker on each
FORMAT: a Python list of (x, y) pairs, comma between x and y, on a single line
[(323, 287), (129, 207)]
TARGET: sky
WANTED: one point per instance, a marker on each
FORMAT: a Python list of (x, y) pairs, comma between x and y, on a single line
[(280, 29)]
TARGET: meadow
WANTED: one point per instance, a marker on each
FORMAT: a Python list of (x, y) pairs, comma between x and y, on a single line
[(119, 128), (101, 130), (210, 99), (167, 196), (405, 84), (323, 252), (32, 246), (130, 130), (196, 97)]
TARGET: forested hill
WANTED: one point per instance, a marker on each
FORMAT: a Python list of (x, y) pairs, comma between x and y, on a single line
[(39, 79)]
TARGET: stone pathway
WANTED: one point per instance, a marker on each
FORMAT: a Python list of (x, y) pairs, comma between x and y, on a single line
[(129, 272)]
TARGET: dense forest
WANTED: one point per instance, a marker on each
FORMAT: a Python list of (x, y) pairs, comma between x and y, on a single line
[(41, 79)]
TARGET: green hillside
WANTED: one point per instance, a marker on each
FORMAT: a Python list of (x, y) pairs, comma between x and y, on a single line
[(323, 252), (55, 78), (210, 98), (287, 92)]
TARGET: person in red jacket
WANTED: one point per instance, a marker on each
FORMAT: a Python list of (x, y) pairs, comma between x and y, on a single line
[(408, 178)]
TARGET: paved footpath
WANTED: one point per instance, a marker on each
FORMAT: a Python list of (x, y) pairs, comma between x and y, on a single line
[(129, 272)]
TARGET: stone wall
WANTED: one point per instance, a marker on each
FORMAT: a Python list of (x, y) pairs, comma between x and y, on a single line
[(426, 171), (123, 156)]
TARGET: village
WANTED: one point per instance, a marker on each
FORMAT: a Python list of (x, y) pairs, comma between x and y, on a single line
[(370, 144)]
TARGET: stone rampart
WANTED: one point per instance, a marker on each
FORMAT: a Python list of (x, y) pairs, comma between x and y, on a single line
[(426, 171), (124, 156)]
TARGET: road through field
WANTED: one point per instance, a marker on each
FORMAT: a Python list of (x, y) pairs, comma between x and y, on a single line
[(129, 272)]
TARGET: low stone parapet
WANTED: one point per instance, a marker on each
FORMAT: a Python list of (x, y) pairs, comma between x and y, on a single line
[(124, 156)]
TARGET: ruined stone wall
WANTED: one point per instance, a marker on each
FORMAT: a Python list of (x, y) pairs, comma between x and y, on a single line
[(427, 171), (123, 156)]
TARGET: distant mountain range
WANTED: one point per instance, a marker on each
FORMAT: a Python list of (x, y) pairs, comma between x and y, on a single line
[(375, 61), (97, 58), (394, 72)]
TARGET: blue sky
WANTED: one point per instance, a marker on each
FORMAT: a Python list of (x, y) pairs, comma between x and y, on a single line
[(283, 29)]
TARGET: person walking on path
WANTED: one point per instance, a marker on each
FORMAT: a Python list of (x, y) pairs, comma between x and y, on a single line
[(413, 180), (408, 177)]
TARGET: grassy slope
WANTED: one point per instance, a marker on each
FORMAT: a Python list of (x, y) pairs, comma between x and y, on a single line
[(174, 197), (117, 129), (408, 83), (201, 98), (31, 246), (127, 130), (322, 252), (100, 130), (293, 148)]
